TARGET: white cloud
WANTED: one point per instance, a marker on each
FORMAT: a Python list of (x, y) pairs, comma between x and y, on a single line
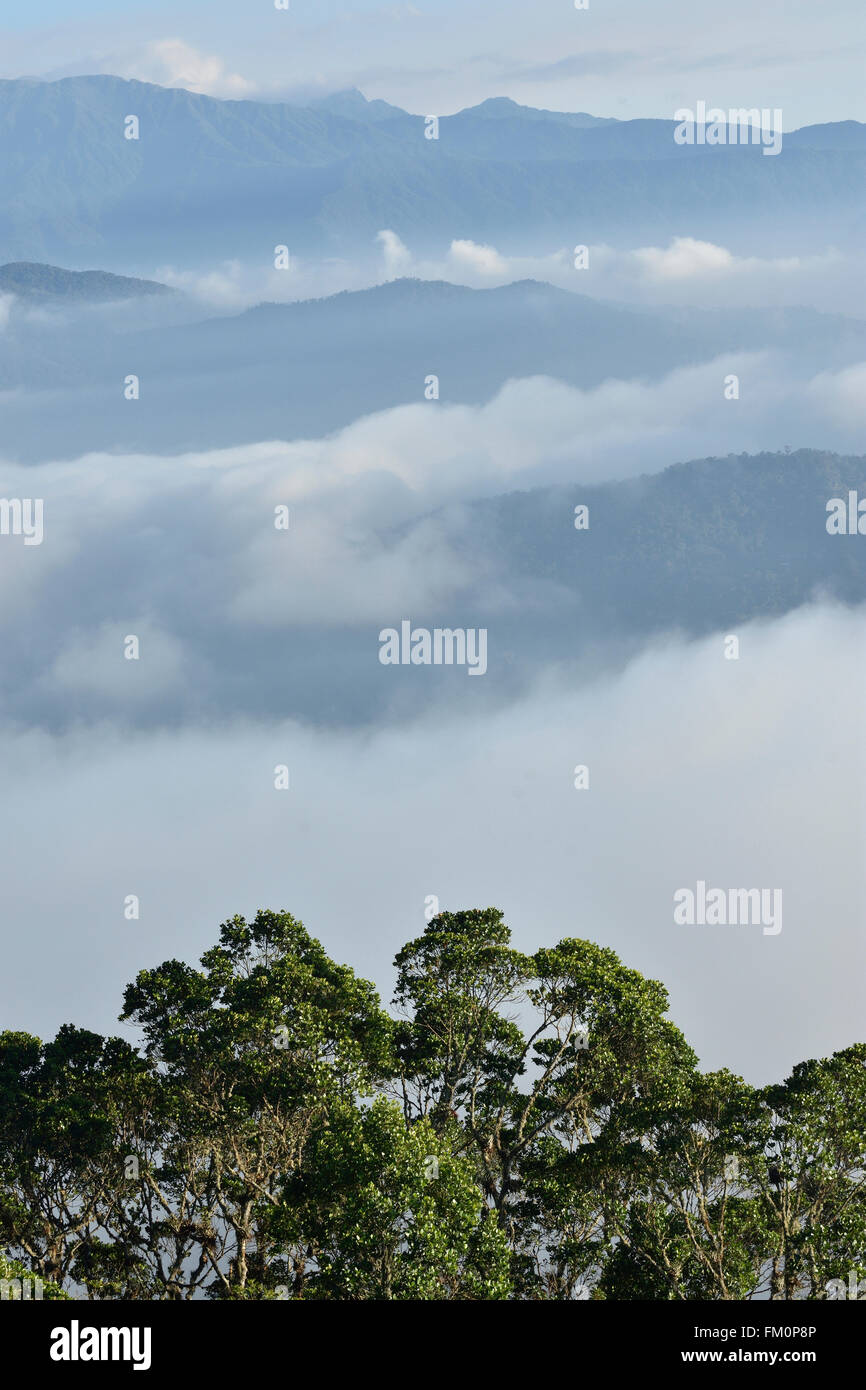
[(220, 288), (397, 256), (686, 272), (361, 499), (685, 258), (174, 63), (478, 260), (841, 396)]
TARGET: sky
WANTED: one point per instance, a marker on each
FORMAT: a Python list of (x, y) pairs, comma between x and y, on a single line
[(622, 58)]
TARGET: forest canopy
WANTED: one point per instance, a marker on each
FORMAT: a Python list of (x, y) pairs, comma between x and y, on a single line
[(521, 1127)]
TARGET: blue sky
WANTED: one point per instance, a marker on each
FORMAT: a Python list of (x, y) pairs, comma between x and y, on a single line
[(622, 58)]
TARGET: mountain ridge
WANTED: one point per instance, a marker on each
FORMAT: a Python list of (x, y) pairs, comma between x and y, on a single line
[(210, 179), (37, 280), (304, 369)]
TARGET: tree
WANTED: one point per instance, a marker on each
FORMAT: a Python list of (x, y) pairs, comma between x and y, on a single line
[(596, 1039), (17, 1282), (65, 1109), (671, 1174), (391, 1213), (811, 1179), (257, 1048), (533, 1127)]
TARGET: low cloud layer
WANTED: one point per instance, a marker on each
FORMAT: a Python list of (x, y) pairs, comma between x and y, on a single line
[(685, 272), (741, 774), (185, 552)]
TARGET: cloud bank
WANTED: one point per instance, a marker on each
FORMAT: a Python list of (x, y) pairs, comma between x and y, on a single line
[(686, 272), (744, 773)]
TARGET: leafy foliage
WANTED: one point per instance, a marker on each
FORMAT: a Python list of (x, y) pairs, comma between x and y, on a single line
[(531, 1127)]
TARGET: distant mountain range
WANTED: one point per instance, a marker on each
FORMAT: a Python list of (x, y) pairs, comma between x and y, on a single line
[(287, 371), (208, 179), (355, 105), (701, 545), (32, 281)]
